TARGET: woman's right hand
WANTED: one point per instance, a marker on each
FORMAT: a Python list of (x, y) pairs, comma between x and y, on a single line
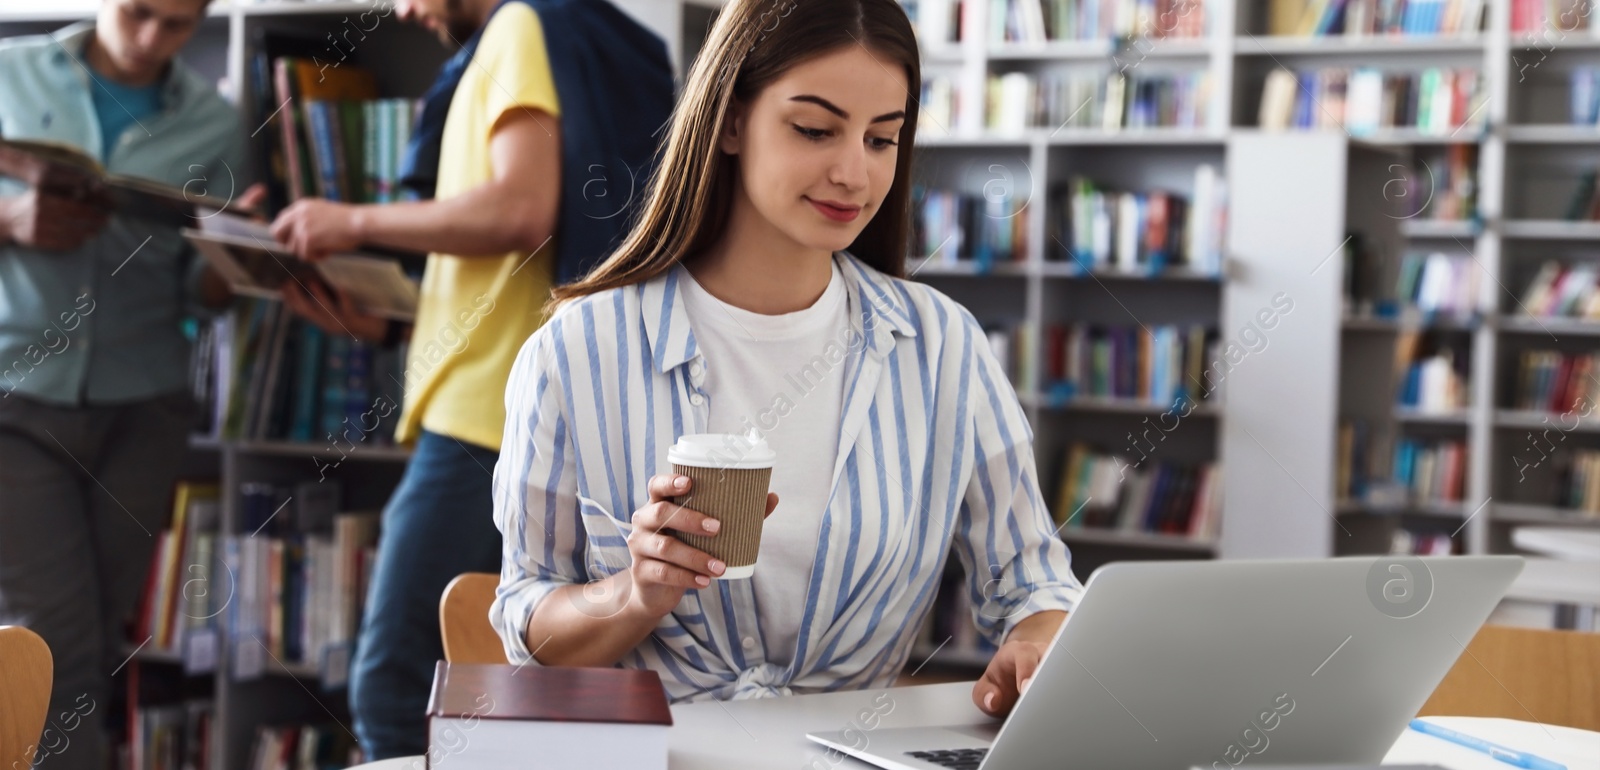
[(664, 566)]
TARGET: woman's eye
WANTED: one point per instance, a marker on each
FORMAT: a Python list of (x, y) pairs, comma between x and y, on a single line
[(811, 133), (883, 144)]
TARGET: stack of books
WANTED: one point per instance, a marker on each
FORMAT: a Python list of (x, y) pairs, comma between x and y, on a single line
[(1361, 18), (1563, 291), (1580, 483), (940, 108), (1162, 365), (303, 747), (1051, 100), (951, 226), (1354, 469), (1099, 228), (938, 22), (1437, 383), (1364, 100), (302, 568), (1137, 494), (183, 593), (1433, 470), (1439, 283), (1550, 20), (1013, 347), (329, 134), (171, 736), (1039, 21), (260, 373), (1556, 382), (1585, 95)]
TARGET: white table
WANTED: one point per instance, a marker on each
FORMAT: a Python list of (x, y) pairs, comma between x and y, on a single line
[(769, 734), (1574, 572), (1561, 542)]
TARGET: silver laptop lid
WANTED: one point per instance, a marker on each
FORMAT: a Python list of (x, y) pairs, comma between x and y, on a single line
[(1218, 664)]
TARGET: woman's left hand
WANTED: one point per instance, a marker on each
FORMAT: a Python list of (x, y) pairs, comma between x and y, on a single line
[(1009, 673)]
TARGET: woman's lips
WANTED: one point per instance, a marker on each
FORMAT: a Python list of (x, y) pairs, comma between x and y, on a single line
[(836, 213)]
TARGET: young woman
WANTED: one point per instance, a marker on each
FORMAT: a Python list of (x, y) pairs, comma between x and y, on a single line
[(760, 291)]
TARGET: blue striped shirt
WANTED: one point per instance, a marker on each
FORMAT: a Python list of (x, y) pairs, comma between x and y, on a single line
[(935, 455)]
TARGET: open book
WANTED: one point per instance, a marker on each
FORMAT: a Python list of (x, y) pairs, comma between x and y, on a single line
[(244, 253), (64, 170)]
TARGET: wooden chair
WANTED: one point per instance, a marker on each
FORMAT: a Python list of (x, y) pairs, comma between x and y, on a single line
[(464, 620), (1534, 675), (25, 672)]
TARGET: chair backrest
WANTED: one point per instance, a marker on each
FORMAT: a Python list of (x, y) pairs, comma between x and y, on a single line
[(26, 669), (464, 620), (1535, 675)]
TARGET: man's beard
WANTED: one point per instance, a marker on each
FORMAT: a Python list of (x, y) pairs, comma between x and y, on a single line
[(458, 25)]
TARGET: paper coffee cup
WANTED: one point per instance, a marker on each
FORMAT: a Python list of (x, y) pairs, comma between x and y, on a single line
[(729, 475)]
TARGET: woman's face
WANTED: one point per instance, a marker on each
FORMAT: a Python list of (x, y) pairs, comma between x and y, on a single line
[(818, 146)]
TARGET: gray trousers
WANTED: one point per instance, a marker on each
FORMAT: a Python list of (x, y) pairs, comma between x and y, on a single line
[(84, 491)]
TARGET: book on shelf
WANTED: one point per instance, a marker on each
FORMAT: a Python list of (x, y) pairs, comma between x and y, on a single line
[(1560, 290), (1584, 204), (939, 113), (303, 747), (1557, 383), (1099, 228), (328, 134), (1417, 472), (302, 567), (64, 170), (169, 736), (1578, 483), (1546, 22), (182, 584), (1405, 541), (951, 226), (1439, 284), (262, 374), (1017, 101), (1436, 382), (1364, 100), (246, 256), (1014, 348), (1162, 365), (937, 22), (489, 716), (1040, 21), (1368, 18), (1137, 494), (1435, 372), (1446, 192), (1584, 95)]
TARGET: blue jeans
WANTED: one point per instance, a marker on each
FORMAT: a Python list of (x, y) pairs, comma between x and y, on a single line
[(438, 524)]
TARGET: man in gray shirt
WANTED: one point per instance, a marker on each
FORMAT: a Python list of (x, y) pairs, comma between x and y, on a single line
[(94, 399)]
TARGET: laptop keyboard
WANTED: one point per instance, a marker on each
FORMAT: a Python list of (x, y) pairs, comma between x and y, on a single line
[(955, 759)]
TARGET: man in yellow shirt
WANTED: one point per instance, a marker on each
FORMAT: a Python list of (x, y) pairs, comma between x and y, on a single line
[(510, 215)]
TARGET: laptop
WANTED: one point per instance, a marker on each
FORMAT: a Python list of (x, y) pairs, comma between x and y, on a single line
[(1172, 665)]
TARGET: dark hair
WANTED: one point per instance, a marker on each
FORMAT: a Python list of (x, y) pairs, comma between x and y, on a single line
[(752, 44)]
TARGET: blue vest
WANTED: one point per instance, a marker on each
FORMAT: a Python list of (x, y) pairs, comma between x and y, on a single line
[(614, 83)]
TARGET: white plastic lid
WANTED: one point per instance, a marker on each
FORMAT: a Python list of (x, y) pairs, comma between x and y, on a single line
[(722, 450)]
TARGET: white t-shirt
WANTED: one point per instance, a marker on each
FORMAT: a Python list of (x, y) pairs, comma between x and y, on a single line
[(760, 373)]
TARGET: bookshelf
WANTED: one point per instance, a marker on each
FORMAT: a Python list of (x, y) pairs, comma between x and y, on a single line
[(216, 686), (1528, 159)]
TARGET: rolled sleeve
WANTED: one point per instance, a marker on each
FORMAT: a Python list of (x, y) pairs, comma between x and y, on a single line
[(1016, 566), (535, 498)]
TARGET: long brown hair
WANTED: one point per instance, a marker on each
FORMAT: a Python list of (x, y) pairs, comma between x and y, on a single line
[(752, 44)]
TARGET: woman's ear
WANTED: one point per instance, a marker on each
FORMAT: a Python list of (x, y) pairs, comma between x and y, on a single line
[(728, 138)]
